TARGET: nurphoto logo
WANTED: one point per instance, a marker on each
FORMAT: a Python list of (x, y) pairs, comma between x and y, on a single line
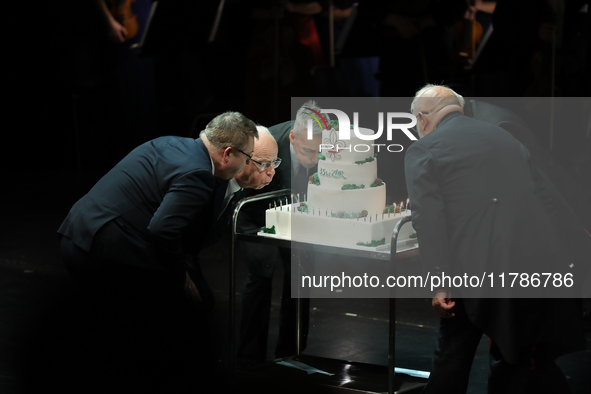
[(344, 132)]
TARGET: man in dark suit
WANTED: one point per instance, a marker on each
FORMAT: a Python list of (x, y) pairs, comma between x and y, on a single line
[(478, 206), (299, 158), (133, 241)]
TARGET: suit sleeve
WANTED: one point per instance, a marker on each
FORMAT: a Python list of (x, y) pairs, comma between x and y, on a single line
[(186, 198), (427, 209)]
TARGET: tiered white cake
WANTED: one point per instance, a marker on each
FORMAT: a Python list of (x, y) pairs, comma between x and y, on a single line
[(353, 163), (346, 202)]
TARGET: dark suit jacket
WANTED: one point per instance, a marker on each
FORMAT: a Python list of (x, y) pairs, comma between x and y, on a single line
[(261, 260), (151, 207), (478, 206), (467, 180)]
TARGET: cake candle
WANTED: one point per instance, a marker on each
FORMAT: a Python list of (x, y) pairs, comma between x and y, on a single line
[(407, 201), (298, 198)]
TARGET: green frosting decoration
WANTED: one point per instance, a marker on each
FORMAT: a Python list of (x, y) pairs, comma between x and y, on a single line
[(333, 173), (321, 156), (368, 160), (351, 186), (373, 243), (267, 230), (303, 208), (346, 215), (316, 180), (376, 183), (391, 209)]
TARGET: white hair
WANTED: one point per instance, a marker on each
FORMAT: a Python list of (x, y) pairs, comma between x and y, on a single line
[(263, 130), (420, 92), (306, 111)]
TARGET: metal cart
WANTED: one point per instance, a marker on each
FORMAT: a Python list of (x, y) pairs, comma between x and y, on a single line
[(368, 378)]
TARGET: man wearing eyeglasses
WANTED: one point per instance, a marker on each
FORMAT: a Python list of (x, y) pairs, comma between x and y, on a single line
[(263, 162), (133, 241), (258, 173), (299, 158)]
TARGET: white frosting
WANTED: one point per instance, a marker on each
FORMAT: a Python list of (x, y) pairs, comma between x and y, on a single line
[(333, 175), (370, 199), (339, 168), (328, 199), (318, 228)]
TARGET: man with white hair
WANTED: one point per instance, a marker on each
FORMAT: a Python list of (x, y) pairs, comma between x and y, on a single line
[(478, 206)]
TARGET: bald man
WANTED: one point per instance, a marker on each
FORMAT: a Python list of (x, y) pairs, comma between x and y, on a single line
[(259, 172), (477, 206), (300, 158)]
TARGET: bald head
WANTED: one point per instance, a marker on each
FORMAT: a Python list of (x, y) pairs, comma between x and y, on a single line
[(265, 151), (431, 104)]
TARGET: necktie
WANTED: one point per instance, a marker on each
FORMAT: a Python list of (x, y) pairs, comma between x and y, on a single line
[(300, 182), (229, 201), (223, 220)]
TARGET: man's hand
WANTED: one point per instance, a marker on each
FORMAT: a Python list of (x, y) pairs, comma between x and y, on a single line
[(191, 291), (115, 30), (443, 303)]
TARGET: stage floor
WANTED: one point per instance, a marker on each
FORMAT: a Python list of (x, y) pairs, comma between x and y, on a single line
[(34, 286)]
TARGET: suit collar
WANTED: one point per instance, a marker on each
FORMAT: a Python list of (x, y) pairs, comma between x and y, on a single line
[(202, 146), (447, 117)]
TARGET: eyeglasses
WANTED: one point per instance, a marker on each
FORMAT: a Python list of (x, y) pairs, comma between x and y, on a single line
[(264, 166), (249, 157), (415, 129)]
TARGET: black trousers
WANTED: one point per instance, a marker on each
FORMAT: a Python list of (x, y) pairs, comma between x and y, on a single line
[(144, 334), (536, 371), (256, 307)]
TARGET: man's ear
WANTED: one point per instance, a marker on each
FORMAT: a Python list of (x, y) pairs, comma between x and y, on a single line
[(291, 137), (425, 122), (226, 155)]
